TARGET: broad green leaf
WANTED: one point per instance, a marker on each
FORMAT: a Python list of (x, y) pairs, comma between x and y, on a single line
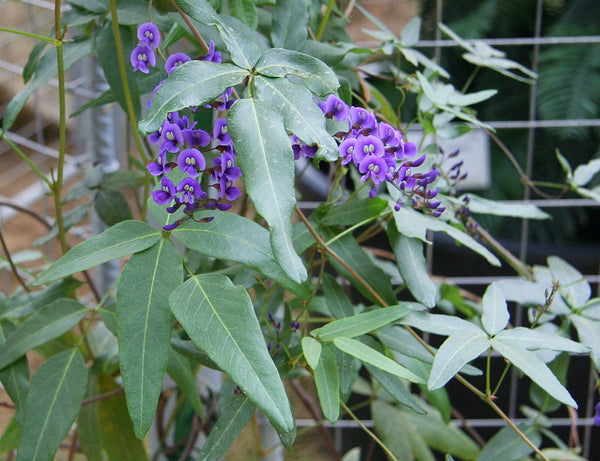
[(395, 387), (233, 237), (144, 323), (219, 316), (438, 323), (192, 84), (336, 299), (105, 46), (390, 424), (534, 340), (179, 369), (289, 24), (412, 266), (354, 211), (368, 355), (245, 11), (46, 69), (311, 348), (190, 350), (47, 323), (301, 115), (231, 421), (493, 207), (360, 324), (116, 434), (15, 379), (53, 401), (117, 241), (88, 422), (495, 311), (455, 352), (327, 381), (506, 445), (537, 394), (111, 207), (414, 224), (398, 339), (267, 162), (583, 174), (318, 77), (587, 330), (574, 288), (533, 367), (26, 304)]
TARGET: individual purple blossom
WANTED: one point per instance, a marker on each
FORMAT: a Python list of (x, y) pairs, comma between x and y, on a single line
[(373, 168), (302, 150), (195, 137), (149, 35), (181, 122), (225, 169), (175, 60), (191, 161), (362, 119), (346, 149), (171, 137), (190, 190), (212, 55), (160, 167), (367, 145), (141, 57), (221, 135), (389, 135), (166, 193), (334, 107)]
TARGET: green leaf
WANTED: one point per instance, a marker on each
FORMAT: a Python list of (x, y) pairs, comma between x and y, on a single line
[(47, 323), (585, 173), (311, 349), (368, 355), (360, 324), (539, 397), (395, 387), (388, 422), (515, 210), (574, 288), (587, 330), (33, 60), (15, 379), (318, 77), (289, 24), (46, 69), (533, 367), (301, 115), (88, 423), (111, 207), (413, 267), (327, 381), (26, 304), (11, 436), (117, 241), (455, 352), (144, 323), (506, 445), (219, 316), (533, 340), (53, 401), (438, 323), (245, 11), (232, 420), (71, 217), (267, 163), (495, 311), (348, 368), (190, 350), (354, 211), (336, 299), (192, 84), (105, 45), (179, 369), (236, 238)]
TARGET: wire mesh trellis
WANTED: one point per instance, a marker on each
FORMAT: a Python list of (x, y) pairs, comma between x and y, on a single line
[(19, 186)]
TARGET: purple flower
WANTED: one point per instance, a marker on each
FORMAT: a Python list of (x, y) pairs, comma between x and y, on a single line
[(212, 55), (181, 122), (409, 149), (225, 169), (334, 107), (347, 150), (374, 168), (141, 57), (171, 136), (597, 415), (367, 145), (166, 193), (161, 167), (149, 35), (191, 191), (190, 161), (220, 133), (389, 135), (362, 119), (196, 137), (302, 150), (175, 60)]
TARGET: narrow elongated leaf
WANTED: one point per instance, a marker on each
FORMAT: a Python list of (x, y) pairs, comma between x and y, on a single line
[(144, 323), (179, 369), (348, 368), (88, 423), (318, 77), (412, 266), (354, 211), (587, 330), (15, 378), (11, 436), (53, 401), (533, 340), (232, 420), (290, 23), (515, 210), (507, 445), (368, 355), (495, 311), (438, 323), (533, 367), (336, 299), (47, 323), (233, 237), (311, 349), (219, 316), (395, 387), (117, 241), (46, 69), (267, 162), (300, 113), (192, 84), (458, 350), (327, 381), (388, 421), (188, 349), (574, 288), (28, 303), (360, 324)]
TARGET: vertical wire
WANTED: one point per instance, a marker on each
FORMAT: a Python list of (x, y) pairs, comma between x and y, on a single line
[(512, 408)]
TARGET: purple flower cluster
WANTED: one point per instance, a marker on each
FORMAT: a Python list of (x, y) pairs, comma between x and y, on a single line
[(143, 55), (380, 153), (182, 145)]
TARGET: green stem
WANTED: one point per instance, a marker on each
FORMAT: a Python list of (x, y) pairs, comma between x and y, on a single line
[(51, 40), (26, 159), (349, 230), (325, 20), (470, 79), (502, 376), (488, 372)]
